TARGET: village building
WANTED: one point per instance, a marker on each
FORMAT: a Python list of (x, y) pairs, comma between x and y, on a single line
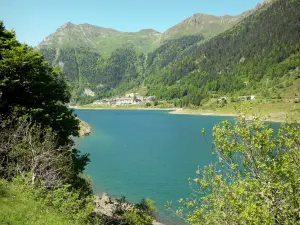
[(124, 101)]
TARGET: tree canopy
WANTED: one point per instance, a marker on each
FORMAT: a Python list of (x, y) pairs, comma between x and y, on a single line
[(29, 86), (31, 90)]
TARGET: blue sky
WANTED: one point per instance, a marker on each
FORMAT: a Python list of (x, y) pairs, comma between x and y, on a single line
[(34, 20)]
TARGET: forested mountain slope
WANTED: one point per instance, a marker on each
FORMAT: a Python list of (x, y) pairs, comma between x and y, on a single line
[(255, 54), (86, 68), (88, 54)]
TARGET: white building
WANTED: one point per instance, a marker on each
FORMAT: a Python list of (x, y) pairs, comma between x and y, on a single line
[(124, 101)]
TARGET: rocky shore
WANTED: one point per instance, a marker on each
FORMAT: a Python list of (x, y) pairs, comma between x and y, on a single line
[(85, 129), (106, 206)]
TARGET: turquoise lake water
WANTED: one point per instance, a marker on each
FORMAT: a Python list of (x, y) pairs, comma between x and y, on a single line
[(139, 153)]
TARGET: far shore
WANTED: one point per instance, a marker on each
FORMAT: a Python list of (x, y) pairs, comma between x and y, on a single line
[(122, 108), (278, 117)]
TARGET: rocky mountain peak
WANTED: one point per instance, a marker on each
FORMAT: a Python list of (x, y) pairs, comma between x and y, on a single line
[(196, 18), (67, 25)]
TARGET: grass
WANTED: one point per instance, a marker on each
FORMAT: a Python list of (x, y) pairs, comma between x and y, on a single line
[(276, 111), (19, 207)]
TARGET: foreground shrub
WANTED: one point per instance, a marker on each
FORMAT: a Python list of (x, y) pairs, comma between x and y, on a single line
[(257, 178)]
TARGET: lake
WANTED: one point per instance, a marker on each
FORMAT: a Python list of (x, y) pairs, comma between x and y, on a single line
[(140, 153)]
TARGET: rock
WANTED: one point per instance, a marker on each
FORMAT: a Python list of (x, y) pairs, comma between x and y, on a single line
[(106, 205), (84, 129)]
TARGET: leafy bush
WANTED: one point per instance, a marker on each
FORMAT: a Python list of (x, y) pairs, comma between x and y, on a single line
[(256, 180), (142, 213), (134, 217)]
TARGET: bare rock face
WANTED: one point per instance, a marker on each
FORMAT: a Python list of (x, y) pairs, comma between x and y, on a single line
[(68, 25), (196, 19), (105, 205)]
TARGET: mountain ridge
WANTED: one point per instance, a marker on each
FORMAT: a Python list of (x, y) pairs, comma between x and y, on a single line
[(145, 40)]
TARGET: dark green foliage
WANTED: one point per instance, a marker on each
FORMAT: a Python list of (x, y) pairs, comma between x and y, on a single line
[(35, 118), (123, 67), (84, 68), (169, 51), (78, 64), (42, 170), (29, 86)]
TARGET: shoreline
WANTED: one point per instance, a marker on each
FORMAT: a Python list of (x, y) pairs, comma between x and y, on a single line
[(120, 108), (274, 117), (181, 111), (84, 128)]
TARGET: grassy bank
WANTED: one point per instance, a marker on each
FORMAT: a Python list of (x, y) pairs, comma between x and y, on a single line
[(20, 206), (274, 111)]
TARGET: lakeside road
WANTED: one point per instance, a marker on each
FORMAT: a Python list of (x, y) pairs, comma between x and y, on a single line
[(278, 117)]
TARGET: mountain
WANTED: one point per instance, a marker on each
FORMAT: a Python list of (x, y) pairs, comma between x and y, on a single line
[(103, 40), (88, 72), (199, 23), (106, 40), (262, 51), (191, 61)]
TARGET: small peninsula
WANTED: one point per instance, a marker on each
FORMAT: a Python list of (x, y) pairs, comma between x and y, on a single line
[(84, 129)]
